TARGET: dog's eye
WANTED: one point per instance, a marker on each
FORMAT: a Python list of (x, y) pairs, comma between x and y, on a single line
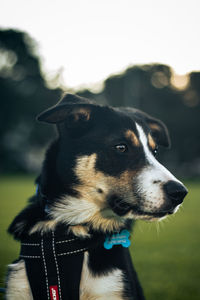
[(155, 151), (121, 148)]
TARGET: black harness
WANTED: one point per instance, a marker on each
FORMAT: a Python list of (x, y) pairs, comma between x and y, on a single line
[(54, 263), (54, 260)]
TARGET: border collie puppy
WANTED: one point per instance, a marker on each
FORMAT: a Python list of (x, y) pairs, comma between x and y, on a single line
[(98, 176)]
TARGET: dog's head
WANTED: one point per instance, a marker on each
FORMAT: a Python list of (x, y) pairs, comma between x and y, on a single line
[(111, 153)]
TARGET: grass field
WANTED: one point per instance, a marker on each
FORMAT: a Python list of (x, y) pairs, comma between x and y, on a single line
[(167, 258)]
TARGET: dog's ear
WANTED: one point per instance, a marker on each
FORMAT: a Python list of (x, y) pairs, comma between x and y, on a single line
[(158, 129), (71, 108)]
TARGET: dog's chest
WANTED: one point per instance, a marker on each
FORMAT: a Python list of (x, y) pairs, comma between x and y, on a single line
[(103, 286)]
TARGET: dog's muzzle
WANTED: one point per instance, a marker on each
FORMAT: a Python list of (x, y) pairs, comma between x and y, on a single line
[(174, 193)]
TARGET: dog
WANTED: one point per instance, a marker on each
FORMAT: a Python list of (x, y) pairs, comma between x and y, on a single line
[(98, 176)]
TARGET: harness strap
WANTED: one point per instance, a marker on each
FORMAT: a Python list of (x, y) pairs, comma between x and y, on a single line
[(54, 264), (63, 247)]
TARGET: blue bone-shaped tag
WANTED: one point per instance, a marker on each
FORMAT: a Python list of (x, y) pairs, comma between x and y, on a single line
[(121, 238)]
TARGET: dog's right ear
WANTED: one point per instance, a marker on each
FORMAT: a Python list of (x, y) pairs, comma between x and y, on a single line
[(71, 108)]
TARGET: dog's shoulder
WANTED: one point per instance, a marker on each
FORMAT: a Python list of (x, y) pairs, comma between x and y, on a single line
[(24, 221)]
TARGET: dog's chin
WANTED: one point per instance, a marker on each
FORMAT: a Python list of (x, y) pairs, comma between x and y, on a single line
[(149, 216), (127, 210), (158, 215)]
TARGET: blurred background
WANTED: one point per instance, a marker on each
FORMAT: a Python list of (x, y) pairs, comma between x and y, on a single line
[(120, 53)]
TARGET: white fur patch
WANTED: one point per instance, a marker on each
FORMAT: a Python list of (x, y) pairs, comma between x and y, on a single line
[(151, 179), (73, 210), (18, 286), (108, 286), (158, 171)]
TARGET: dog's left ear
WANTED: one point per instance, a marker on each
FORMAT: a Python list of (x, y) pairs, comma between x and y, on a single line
[(158, 129), (71, 108)]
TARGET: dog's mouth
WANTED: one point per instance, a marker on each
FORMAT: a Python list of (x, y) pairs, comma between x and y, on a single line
[(121, 208), (156, 215)]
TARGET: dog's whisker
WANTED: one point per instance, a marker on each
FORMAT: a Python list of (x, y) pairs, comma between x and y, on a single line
[(158, 228)]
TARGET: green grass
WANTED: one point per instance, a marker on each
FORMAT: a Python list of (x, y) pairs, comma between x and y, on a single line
[(14, 192), (167, 258)]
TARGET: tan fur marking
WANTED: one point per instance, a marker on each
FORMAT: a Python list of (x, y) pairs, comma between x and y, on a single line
[(91, 180), (154, 126), (104, 218), (91, 206), (131, 136), (43, 226), (79, 230), (152, 144), (95, 180), (81, 111)]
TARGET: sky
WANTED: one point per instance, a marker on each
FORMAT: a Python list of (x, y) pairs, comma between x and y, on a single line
[(88, 40)]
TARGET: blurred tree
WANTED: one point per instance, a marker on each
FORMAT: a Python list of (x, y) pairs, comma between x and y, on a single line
[(23, 95)]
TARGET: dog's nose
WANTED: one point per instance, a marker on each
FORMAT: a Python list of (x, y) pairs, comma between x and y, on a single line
[(175, 191)]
